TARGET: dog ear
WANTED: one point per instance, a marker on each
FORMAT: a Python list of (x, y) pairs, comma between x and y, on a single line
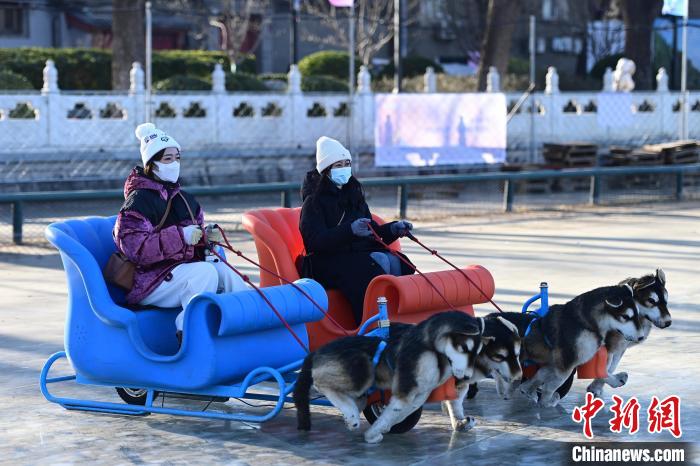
[(661, 276), (470, 329), (614, 305), (486, 340), (629, 288), (644, 282), (509, 325)]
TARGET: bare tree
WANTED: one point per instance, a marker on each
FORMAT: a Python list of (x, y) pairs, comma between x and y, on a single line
[(374, 25), (241, 23), (128, 39), (605, 38), (639, 16), (465, 19), (495, 48)]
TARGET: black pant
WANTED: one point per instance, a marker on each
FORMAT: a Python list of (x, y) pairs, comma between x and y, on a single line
[(349, 272)]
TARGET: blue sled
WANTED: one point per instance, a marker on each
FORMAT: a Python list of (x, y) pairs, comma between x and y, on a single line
[(232, 342)]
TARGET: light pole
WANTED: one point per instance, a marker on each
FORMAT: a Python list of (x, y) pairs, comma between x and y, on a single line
[(397, 46), (294, 45), (149, 48)]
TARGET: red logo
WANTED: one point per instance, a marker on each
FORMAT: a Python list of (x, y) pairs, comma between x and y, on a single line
[(587, 412), (665, 415), (626, 416), (661, 415)]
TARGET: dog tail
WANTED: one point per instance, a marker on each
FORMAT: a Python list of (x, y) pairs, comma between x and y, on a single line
[(301, 394)]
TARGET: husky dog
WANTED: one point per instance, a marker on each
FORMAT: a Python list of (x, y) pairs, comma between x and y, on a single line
[(416, 360), (652, 300), (499, 357), (570, 334)]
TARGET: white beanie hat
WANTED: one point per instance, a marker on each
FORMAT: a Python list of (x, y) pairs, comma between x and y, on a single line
[(153, 140), (328, 152)]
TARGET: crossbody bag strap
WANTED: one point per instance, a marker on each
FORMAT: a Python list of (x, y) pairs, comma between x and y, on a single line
[(341, 218), (165, 215), (194, 222)]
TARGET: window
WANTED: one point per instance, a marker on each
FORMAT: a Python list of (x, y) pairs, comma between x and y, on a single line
[(12, 18), (567, 44), (547, 10)]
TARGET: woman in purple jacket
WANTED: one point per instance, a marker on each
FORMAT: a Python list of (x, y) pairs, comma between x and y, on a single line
[(169, 268)]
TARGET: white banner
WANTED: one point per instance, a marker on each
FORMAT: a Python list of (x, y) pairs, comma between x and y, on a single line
[(422, 130), (675, 8)]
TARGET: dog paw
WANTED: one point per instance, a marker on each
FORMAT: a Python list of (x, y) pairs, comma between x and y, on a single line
[(507, 394), (596, 388), (352, 424), (465, 424), (549, 403), (553, 400), (618, 380), (530, 395), (373, 437)]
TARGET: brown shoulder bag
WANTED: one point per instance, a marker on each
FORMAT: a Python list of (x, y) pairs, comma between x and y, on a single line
[(120, 270)]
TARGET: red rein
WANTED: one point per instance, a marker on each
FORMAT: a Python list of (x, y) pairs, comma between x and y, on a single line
[(435, 253), (227, 245)]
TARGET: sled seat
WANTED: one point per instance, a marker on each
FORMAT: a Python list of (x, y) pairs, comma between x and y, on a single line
[(411, 299), (226, 336)]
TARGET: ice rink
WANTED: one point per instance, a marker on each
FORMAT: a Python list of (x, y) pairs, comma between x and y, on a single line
[(574, 251)]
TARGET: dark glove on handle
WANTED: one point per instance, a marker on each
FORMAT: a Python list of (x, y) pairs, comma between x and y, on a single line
[(401, 228), (360, 227)]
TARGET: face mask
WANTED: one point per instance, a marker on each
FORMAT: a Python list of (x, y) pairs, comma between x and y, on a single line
[(168, 171), (341, 175)]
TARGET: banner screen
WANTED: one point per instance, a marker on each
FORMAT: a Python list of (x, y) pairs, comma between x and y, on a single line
[(420, 130)]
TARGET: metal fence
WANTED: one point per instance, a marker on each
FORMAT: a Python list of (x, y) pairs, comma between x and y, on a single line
[(23, 216)]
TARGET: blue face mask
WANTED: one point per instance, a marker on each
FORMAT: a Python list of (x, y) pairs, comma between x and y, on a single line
[(341, 175)]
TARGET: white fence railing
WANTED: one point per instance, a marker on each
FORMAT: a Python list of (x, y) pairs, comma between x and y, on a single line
[(52, 120)]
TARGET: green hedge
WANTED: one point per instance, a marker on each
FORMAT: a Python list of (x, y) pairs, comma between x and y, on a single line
[(413, 65), (13, 81), (80, 69), (181, 82), (323, 84), (244, 82), (331, 63), (199, 63), (273, 77), (91, 69)]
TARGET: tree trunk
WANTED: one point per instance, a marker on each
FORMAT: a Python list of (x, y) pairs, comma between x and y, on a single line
[(128, 39), (495, 48), (639, 16)]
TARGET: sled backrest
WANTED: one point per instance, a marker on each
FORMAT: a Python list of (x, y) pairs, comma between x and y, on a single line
[(279, 243), (85, 246)]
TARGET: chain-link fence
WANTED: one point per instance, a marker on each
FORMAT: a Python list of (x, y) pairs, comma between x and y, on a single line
[(422, 202)]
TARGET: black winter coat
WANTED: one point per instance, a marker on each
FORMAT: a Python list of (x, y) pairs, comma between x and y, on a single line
[(335, 257)]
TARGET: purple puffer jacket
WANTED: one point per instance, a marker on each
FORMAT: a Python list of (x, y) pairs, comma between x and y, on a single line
[(155, 253)]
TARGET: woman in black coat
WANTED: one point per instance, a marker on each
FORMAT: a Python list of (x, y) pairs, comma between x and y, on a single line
[(341, 251)]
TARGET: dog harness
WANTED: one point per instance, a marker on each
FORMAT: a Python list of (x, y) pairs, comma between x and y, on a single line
[(544, 335), (378, 353)]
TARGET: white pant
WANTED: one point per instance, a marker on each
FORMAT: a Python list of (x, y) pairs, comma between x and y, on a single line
[(191, 279)]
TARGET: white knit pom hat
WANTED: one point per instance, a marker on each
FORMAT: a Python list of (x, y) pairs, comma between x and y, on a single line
[(328, 152), (153, 140)]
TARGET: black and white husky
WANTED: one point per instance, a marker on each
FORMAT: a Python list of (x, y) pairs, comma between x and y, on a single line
[(652, 301), (570, 335), (417, 359), (499, 358)]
